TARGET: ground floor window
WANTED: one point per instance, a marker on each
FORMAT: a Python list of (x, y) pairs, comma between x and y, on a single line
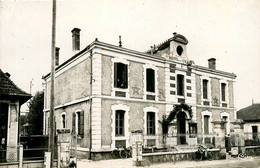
[(150, 123), (206, 124), (119, 124)]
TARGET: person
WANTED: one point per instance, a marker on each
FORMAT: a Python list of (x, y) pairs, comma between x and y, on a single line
[(72, 164)]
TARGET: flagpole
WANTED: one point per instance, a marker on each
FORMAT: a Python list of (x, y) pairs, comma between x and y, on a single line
[(51, 128)]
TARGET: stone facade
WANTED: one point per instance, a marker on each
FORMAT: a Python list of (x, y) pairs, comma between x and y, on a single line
[(119, 90)]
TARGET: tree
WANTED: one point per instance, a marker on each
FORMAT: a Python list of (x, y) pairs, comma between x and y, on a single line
[(35, 116)]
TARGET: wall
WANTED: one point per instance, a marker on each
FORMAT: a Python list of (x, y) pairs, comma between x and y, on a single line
[(215, 90), (161, 83), (136, 83), (216, 115), (72, 84), (106, 75), (231, 93), (136, 116), (198, 89), (69, 111)]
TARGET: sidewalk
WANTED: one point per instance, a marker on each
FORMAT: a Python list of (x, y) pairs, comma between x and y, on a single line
[(252, 162)]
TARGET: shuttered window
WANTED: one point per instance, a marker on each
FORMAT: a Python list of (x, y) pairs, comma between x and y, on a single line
[(120, 76), (78, 123)]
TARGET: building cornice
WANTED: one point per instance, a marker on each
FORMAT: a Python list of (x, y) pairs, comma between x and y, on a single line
[(121, 50)]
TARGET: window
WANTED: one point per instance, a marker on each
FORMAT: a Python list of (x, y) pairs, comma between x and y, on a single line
[(150, 80), (225, 125), (206, 124), (120, 76), (205, 88), (150, 123), (223, 91), (63, 120), (119, 123), (78, 123), (179, 50), (180, 85), (255, 132)]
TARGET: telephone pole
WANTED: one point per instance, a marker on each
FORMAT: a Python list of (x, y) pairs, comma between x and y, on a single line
[(51, 128)]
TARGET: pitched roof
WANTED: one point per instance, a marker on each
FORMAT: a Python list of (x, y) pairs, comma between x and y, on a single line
[(250, 113), (9, 90)]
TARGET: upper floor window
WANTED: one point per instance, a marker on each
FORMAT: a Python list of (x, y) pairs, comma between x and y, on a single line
[(223, 91), (205, 88), (150, 123), (119, 124), (63, 120), (180, 85), (150, 80), (120, 76)]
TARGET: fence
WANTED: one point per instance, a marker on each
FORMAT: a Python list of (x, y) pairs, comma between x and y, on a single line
[(252, 139), (160, 140), (10, 154)]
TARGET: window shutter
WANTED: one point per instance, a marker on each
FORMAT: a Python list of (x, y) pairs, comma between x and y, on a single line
[(81, 129), (73, 123), (115, 75), (125, 79)]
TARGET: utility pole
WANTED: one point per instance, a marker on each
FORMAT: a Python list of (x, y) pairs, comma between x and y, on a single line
[(51, 128)]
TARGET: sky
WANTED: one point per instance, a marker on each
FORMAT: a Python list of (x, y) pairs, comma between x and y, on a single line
[(228, 30)]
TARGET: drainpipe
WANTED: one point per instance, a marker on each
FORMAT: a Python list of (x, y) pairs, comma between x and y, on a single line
[(90, 106)]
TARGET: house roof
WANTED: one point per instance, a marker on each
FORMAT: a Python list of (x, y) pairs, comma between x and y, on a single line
[(250, 113), (177, 37), (8, 90)]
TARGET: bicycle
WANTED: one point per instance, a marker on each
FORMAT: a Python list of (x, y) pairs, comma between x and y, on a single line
[(242, 155), (121, 152), (203, 153)]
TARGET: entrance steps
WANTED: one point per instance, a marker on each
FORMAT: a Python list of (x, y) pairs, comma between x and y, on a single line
[(186, 148)]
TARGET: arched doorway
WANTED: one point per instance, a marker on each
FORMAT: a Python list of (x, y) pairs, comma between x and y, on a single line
[(181, 127)]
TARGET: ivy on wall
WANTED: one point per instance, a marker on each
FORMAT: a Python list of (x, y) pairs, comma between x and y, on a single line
[(177, 108)]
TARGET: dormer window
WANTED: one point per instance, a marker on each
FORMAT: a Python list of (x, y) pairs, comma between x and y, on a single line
[(179, 50)]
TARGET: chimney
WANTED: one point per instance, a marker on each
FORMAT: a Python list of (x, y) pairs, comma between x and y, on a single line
[(75, 39), (57, 54), (7, 74), (212, 63)]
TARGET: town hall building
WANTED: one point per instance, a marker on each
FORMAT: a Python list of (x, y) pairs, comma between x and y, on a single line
[(105, 91)]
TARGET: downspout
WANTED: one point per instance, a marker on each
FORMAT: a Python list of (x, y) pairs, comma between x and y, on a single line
[(90, 107)]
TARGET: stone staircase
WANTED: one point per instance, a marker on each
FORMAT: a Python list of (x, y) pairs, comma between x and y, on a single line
[(186, 148)]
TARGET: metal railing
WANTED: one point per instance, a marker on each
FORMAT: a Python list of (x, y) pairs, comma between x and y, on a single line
[(10, 154), (34, 153)]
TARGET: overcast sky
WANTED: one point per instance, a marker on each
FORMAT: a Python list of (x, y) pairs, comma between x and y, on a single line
[(226, 30)]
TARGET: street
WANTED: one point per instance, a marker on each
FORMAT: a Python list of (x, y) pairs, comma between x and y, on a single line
[(249, 162)]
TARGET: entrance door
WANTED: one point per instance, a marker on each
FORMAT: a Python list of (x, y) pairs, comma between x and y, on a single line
[(181, 124), (3, 130)]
